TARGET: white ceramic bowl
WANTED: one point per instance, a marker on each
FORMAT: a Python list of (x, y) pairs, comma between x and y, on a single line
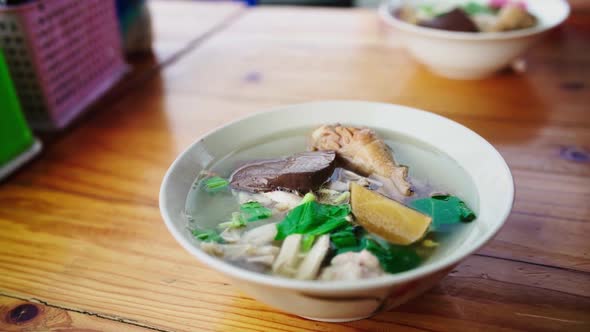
[(348, 300), (464, 55)]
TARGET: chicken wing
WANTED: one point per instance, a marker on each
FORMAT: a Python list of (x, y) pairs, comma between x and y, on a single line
[(363, 151)]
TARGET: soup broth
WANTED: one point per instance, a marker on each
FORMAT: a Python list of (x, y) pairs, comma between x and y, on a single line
[(430, 172)]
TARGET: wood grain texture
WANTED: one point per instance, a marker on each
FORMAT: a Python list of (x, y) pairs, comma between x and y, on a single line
[(24, 316), (81, 229), (579, 5), (177, 24)]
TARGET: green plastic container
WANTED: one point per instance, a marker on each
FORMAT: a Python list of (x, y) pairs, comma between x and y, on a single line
[(17, 144)]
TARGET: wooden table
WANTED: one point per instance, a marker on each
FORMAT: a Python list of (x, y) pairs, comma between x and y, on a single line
[(83, 247)]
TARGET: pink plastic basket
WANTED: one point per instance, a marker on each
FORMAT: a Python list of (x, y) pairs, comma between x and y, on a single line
[(62, 56)]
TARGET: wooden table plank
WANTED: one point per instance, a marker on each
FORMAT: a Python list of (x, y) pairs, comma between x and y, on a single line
[(465, 305), (178, 24), (17, 315)]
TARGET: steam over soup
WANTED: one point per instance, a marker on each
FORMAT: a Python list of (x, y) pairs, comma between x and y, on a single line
[(345, 209)]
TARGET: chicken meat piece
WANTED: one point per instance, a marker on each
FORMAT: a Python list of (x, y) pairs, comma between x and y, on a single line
[(364, 152), (352, 266)]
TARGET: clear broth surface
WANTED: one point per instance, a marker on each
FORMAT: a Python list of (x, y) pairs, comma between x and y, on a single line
[(429, 169)]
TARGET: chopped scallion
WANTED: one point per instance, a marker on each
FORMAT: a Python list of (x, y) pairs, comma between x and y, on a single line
[(215, 184)]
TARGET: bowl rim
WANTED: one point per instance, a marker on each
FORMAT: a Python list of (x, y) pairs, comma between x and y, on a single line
[(386, 280), (386, 7)]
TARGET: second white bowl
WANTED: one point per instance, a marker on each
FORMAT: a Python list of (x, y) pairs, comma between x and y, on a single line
[(467, 55)]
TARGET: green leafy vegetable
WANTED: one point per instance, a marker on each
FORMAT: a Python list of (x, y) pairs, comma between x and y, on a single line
[(344, 238), (392, 258), (473, 8), (307, 242), (206, 236), (237, 221), (250, 211), (215, 184), (330, 224), (444, 209), (253, 211), (312, 218), (361, 244)]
